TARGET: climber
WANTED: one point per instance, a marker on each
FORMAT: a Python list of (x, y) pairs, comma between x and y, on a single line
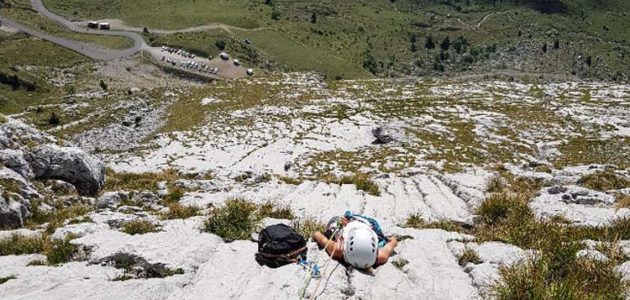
[(357, 241)]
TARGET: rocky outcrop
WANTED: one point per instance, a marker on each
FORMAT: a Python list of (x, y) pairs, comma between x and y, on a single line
[(12, 213), (69, 164), (14, 195), (27, 154)]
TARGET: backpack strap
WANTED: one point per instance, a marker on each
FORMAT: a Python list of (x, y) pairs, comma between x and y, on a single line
[(291, 254)]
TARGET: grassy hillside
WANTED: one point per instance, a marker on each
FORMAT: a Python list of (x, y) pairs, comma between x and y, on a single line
[(25, 76), (586, 38)]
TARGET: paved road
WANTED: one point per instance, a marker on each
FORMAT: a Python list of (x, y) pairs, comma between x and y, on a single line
[(86, 49), (93, 50), (90, 50)]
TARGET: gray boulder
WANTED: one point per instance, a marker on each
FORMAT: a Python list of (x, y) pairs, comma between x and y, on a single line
[(14, 159), (382, 135), (16, 135), (12, 213), (111, 199), (13, 206), (69, 164)]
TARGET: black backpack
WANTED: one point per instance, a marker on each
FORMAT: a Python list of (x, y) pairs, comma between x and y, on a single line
[(279, 245)]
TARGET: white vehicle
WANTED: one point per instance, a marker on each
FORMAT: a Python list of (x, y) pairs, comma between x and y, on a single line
[(224, 56), (250, 72), (237, 63)]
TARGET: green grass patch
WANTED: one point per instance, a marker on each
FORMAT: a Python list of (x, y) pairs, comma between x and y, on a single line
[(416, 221), (174, 195), (309, 226), (115, 181), (47, 54), (139, 226), (272, 210), (362, 183), (293, 55), (555, 272), (583, 151), (60, 251), (604, 181), (236, 220), (167, 14), (622, 201), (469, 256), (18, 244), (56, 217), (177, 211)]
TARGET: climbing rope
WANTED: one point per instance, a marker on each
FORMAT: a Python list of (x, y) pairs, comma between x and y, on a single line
[(313, 267)]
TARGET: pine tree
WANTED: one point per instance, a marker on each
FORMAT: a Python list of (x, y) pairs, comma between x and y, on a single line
[(429, 43), (446, 43)]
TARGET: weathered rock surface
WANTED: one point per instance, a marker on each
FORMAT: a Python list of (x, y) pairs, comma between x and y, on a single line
[(69, 164), (27, 154), (579, 205)]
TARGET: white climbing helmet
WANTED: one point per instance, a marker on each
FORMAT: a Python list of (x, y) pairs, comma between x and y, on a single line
[(360, 245)]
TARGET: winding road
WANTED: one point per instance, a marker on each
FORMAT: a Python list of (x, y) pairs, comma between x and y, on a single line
[(97, 52), (90, 50)]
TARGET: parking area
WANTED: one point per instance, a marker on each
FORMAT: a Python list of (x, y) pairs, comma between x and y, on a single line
[(221, 66)]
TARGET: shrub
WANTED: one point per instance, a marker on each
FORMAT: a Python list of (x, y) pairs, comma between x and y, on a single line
[(536, 279), (416, 221), (555, 272), (56, 217), (174, 195), (103, 85), (220, 44), (497, 206), (309, 226), (623, 201), (362, 182), (275, 15), (138, 181), (177, 211), (60, 251), (400, 263), (604, 181), (271, 210), (54, 120), (18, 244), (469, 256), (139, 226), (234, 221), (428, 42)]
